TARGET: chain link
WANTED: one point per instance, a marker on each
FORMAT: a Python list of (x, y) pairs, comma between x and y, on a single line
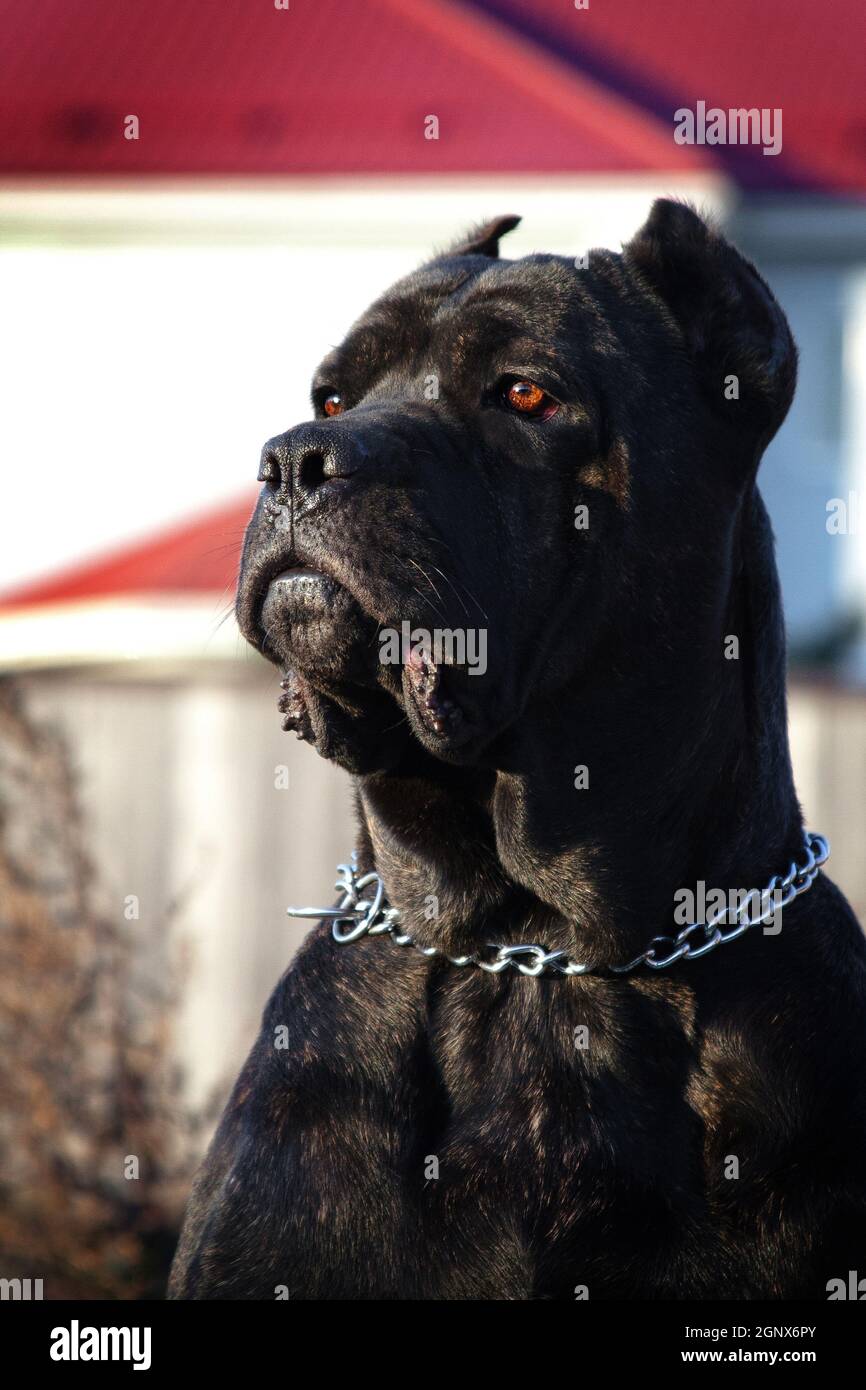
[(372, 916)]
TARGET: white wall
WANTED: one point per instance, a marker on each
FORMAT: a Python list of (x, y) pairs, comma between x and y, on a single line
[(154, 338)]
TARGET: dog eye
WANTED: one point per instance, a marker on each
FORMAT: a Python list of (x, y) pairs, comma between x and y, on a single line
[(333, 404), (526, 398)]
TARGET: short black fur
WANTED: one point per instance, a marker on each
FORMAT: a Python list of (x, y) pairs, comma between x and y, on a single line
[(559, 1166)]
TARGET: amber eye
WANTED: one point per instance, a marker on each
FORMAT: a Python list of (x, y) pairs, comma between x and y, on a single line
[(528, 399), (333, 404)]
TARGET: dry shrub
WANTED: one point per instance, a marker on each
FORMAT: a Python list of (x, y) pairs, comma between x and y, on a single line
[(86, 1077)]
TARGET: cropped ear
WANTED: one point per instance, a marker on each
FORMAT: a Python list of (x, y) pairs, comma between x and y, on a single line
[(731, 324), (484, 239)]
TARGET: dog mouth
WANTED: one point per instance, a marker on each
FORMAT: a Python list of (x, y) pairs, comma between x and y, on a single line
[(429, 688), (292, 705), (298, 603), (325, 641), (299, 583)]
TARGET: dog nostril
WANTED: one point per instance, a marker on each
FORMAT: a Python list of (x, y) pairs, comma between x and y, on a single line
[(270, 472), (311, 473)]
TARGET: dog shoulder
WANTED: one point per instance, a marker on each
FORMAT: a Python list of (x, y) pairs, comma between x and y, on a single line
[(333, 1086)]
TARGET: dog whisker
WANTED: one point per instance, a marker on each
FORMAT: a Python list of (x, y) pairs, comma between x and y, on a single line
[(427, 577)]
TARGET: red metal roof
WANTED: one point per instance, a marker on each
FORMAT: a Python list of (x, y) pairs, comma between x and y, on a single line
[(326, 87), (200, 556), (343, 86), (789, 54)]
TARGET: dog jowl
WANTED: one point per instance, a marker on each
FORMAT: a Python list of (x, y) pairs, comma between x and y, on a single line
[(426, 1129)]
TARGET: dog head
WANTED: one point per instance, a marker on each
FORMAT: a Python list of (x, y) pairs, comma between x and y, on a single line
[(516, 471)]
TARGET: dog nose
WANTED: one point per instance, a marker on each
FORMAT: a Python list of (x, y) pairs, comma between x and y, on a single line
[(300, 461)]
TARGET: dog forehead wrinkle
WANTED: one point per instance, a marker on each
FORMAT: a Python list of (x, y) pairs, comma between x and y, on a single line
[(436, 307), (415, 299), (396, 323), (546, 299), (368, 347), (505, 328), (401, 321)]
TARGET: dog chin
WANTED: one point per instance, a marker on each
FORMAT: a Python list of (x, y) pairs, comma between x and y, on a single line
[(336, 694), (367, 730), (311, 624), (358, 729)]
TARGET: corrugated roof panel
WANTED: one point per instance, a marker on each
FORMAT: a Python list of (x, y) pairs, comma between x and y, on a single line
[(326, 87)]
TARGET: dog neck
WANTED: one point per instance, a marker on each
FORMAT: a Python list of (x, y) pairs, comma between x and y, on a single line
[(606, 799)]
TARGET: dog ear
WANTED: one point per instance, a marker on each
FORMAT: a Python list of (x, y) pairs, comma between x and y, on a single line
[(484, 239), (732, 326)]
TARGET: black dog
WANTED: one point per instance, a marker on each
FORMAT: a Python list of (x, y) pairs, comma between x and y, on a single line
[(562, 459)]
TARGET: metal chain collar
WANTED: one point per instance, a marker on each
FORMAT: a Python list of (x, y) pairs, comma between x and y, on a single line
[(372, 916)]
